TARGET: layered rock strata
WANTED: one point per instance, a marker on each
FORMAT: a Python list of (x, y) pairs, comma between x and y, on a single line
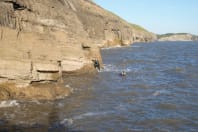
[(42, 39)]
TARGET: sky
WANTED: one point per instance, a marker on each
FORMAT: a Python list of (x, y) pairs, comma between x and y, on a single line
[(157, 16)]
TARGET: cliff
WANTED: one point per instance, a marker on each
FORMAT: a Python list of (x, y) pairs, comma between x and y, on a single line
[(42, 39), (177, 37)]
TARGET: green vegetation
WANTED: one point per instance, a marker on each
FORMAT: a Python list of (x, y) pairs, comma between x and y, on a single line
[(170, 34), (138, 28), (194, 37)]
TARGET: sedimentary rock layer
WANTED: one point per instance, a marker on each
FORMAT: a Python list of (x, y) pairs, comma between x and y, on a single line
[(41, 39)]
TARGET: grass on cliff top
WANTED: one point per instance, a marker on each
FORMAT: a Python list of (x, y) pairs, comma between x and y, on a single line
[(139, 28), (170, 34), (194, 37)]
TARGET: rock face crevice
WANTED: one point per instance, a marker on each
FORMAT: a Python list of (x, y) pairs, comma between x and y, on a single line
[(42, 39), (17, 6)]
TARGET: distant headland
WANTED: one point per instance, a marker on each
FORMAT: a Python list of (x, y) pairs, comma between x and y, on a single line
[(177, 37)]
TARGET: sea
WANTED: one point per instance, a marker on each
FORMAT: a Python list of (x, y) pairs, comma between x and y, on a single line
[(158, 94)]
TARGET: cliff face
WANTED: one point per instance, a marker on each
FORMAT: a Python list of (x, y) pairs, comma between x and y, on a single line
[(177, 37), (41, 39)]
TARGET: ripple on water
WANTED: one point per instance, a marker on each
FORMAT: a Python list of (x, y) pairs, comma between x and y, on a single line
[(142, 85), (166, 106), (91, 114), (161, 92), (166, 124), (113, 68)]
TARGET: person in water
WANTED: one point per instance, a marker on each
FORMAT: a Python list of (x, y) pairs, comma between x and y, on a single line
[(123, 73), (96, 64)]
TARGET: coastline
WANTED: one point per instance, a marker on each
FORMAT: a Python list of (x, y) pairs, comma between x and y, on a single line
[(45, 90), (37, 46)]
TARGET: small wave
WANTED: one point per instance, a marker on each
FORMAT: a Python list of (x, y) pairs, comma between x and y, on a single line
[(112, 68), (9, 103), (159, 92), (121, 107), (90, 114), (67, 122), (135, 46)]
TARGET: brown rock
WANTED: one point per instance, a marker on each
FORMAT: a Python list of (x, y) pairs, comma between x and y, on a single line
[(38, 91), (42, 39)]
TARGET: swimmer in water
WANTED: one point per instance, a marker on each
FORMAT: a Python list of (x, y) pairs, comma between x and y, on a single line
[(123, 73)]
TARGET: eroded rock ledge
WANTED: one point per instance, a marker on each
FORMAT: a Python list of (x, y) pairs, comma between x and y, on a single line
[(48, 91), (42, 39)]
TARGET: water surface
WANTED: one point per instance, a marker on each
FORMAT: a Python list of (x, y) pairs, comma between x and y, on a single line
[(159, 93)]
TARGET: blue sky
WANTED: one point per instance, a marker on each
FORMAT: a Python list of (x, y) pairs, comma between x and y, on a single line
[(158, 16)]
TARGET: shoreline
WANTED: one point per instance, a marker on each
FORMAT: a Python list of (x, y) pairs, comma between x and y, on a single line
[(39, 91), (46, 90), (35, 48)]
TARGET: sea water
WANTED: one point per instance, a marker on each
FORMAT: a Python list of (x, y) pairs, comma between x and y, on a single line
[(158, 93)]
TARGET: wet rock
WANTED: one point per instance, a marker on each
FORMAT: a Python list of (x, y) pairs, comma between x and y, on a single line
[(36, 91)]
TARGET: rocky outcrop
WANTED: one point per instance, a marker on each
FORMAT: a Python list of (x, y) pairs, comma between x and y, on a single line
[(177, 37), (42, 39), (38, 91)]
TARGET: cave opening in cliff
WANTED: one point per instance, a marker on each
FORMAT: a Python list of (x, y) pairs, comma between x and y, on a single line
[(17, 6)]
